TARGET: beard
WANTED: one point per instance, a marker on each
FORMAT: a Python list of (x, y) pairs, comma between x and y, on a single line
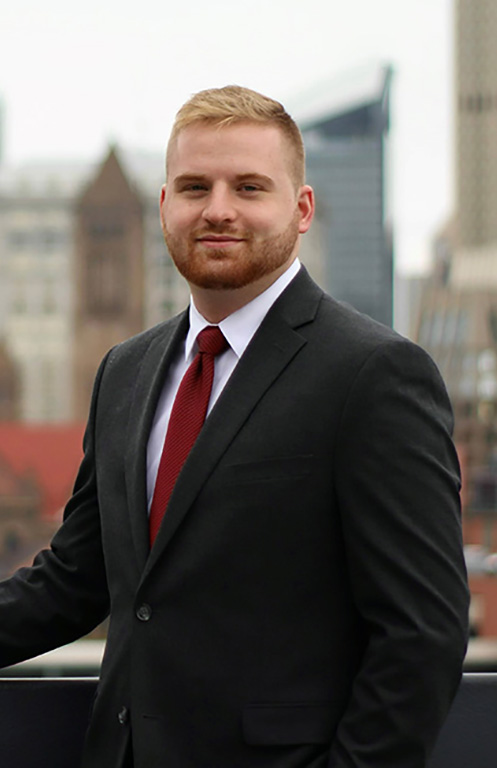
[(217, 269)]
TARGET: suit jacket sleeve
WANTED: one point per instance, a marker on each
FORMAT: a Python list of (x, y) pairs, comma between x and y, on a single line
[(63, 595), (398, 487)]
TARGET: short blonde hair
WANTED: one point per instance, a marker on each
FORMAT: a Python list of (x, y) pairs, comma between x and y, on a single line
[(234, 104)]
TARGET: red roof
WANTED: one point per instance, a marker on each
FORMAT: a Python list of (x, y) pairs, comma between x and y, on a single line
[(52, 452)]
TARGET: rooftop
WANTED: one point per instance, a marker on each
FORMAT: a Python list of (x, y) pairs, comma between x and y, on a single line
[(365, 85), (66, 179)]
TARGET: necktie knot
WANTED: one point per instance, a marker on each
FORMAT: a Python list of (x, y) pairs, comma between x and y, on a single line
[(211, 340)]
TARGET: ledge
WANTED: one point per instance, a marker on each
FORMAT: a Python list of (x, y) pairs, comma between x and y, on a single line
[(82, 658), (44, 716)]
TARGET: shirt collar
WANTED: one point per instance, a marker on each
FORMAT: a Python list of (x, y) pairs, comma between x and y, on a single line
[(239, 327)]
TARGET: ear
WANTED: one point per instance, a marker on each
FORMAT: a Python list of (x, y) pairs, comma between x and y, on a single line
[(306, 206), (161, 206)]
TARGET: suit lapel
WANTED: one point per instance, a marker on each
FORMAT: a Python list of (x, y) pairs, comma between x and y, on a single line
[(149, 383), (273, 347)]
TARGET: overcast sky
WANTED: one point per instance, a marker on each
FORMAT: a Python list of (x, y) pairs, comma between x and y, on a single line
[(74, 76)]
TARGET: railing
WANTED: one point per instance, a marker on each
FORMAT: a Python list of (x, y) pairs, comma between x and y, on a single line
[(43, 721)]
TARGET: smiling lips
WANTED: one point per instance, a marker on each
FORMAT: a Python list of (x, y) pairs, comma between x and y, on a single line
[(219, 241)]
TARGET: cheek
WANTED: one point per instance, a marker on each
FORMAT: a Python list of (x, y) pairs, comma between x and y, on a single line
[(265, 222), (272, 223), (178, 219)]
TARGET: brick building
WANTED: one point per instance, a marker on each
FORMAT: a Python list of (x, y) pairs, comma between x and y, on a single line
[(38, 466)]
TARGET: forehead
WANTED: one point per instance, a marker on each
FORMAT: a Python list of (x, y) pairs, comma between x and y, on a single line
[(243, 147)]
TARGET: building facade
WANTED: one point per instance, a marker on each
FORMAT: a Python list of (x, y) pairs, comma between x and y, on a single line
[(38, 464), (108, 272), (83, 265), (36, 289), (476, 122), (457, 320), (345, 129)]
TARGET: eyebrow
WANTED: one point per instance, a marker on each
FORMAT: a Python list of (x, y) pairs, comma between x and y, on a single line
[(255, 177), (186, 177)]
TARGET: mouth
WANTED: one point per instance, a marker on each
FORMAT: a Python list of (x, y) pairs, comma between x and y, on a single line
[(219, 241)]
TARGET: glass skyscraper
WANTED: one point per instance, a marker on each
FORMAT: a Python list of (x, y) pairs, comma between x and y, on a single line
[(345, 132)]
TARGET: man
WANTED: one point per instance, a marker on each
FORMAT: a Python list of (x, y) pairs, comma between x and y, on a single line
[(296, 596)]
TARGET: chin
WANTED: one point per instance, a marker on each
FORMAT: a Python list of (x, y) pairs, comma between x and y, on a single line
[(218, 272), (218, 282)]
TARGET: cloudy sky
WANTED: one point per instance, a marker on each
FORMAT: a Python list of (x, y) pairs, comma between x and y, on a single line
[(74, 76)]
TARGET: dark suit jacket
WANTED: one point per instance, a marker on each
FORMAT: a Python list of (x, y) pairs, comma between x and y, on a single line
[(305, 602)]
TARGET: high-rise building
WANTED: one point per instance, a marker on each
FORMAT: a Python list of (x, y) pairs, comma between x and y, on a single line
[(457, 321), (2, 125), (476, 122), (345, 127)]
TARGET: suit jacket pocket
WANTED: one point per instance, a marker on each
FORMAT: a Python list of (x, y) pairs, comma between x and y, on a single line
[(285, 724)]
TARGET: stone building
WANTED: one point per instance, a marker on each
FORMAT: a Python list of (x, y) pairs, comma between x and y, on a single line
[(36, 285), (83, 265), (9, 386), (108, 273)]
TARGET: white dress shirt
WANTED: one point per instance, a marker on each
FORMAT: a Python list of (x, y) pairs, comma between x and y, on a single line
[(238, 329)]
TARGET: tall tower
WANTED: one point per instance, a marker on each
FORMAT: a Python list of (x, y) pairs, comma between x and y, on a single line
[(345, 128), (2, 129), (109, 264), (476, 121), (457, 320)]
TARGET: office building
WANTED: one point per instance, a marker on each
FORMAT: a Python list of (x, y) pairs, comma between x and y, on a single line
[(457, 321), (476, 122), (345, 125)]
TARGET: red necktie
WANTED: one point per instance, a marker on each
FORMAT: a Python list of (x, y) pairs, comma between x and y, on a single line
[(186, 420)]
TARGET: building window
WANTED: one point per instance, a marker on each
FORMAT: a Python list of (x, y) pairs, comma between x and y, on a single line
[(106, 282), (492, 319), (50, 239), (19, 304), (437, 329), (17, 240), (462, 327), (49, 302)]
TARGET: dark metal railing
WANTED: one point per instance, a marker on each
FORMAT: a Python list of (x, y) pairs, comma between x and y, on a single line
[(43, 722)]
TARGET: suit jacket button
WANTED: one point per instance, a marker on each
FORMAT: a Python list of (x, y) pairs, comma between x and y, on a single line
[(123, 716), (144, 612)]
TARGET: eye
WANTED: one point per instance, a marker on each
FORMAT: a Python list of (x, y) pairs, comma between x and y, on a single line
[(193, 189), (250, 188)]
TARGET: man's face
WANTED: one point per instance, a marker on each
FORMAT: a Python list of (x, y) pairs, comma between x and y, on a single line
[(230, 212)]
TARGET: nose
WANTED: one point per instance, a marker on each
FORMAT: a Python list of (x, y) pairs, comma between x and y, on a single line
[(219, 206)]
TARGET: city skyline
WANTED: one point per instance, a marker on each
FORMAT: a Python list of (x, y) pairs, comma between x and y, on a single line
[(73, 80)]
